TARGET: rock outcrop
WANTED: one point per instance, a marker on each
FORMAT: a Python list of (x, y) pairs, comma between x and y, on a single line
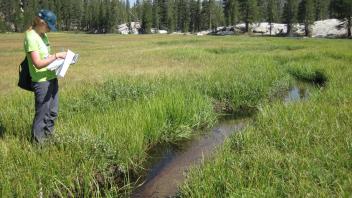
[(324, 28), (129, 28)]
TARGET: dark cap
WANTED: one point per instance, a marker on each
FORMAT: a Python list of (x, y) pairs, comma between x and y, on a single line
[(49, 17)]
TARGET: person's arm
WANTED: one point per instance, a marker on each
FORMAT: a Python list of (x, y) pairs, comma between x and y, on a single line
[(39, 63)]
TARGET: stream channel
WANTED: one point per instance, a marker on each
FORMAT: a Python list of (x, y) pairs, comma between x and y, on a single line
[(170, 163)]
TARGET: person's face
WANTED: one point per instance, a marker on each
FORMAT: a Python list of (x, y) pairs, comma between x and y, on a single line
[(44, 28)]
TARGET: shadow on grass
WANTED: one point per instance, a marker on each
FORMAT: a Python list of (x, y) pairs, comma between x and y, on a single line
[(2, 130), (254, 49), (317, 77), (225, 110), (224, 50), (180, 42)]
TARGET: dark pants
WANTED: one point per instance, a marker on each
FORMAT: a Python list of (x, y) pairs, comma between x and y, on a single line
[(46, 109)]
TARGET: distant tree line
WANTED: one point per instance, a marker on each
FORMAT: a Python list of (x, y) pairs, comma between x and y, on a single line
[(102, 16), (99, 16)]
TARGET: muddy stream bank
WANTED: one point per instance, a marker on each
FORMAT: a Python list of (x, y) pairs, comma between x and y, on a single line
[(169, 164)]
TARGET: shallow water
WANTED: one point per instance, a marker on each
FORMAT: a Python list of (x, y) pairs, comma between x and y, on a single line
[(297, 93), (170, 163)]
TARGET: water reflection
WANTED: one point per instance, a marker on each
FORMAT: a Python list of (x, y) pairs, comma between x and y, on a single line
[(170, 163), (297, 93)]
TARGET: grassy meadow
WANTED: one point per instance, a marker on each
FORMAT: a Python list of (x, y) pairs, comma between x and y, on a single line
[(131, 93)]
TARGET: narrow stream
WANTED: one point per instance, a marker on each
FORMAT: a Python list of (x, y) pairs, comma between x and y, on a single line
[(169, 164), (300, 92)]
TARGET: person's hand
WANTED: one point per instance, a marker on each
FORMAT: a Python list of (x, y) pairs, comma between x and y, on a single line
[(60, 55)]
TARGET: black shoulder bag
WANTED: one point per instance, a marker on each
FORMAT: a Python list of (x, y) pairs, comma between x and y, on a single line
[(25, 80)]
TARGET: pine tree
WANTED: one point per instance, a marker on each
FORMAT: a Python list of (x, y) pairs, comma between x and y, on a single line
[(231, 12), (84, 20), (30, 10), (4, 13), (193, 15), (155, 15), (121, 8), (2, 17), (59, 15), (163, 5), (3, 27), (139, 9), (9, 14), (128, 11), (112, 19), (262, 11), (65, 14), (121, 13), (249, 12), (306, 15), (343, 11), (134, 12), (217, 16), (13, 15), (101, 16), (147, 17), (321, 11), (44, 4), (227, 11), (198, 16), (183, 18), (272, 9), (51, 5), (205, 15), (18, 17), (171, 16), (211, 10), (93, 16), (108, 20), (178, 13), (290, 10), (76, 13)]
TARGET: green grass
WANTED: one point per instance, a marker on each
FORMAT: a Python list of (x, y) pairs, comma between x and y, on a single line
[(148, 90), (299, 149)]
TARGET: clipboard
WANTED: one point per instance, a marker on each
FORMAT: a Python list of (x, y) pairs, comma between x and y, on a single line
[(62, 65)]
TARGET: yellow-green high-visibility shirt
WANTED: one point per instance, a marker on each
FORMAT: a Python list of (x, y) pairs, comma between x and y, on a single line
[(34, 42)]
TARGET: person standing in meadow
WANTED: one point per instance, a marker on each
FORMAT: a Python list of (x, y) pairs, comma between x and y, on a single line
[(44, 82)]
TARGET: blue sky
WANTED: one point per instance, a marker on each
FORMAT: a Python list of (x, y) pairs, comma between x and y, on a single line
[(132, 2)]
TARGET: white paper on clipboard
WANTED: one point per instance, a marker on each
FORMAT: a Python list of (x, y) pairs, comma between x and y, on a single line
[(60, 66), (63, 69)]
